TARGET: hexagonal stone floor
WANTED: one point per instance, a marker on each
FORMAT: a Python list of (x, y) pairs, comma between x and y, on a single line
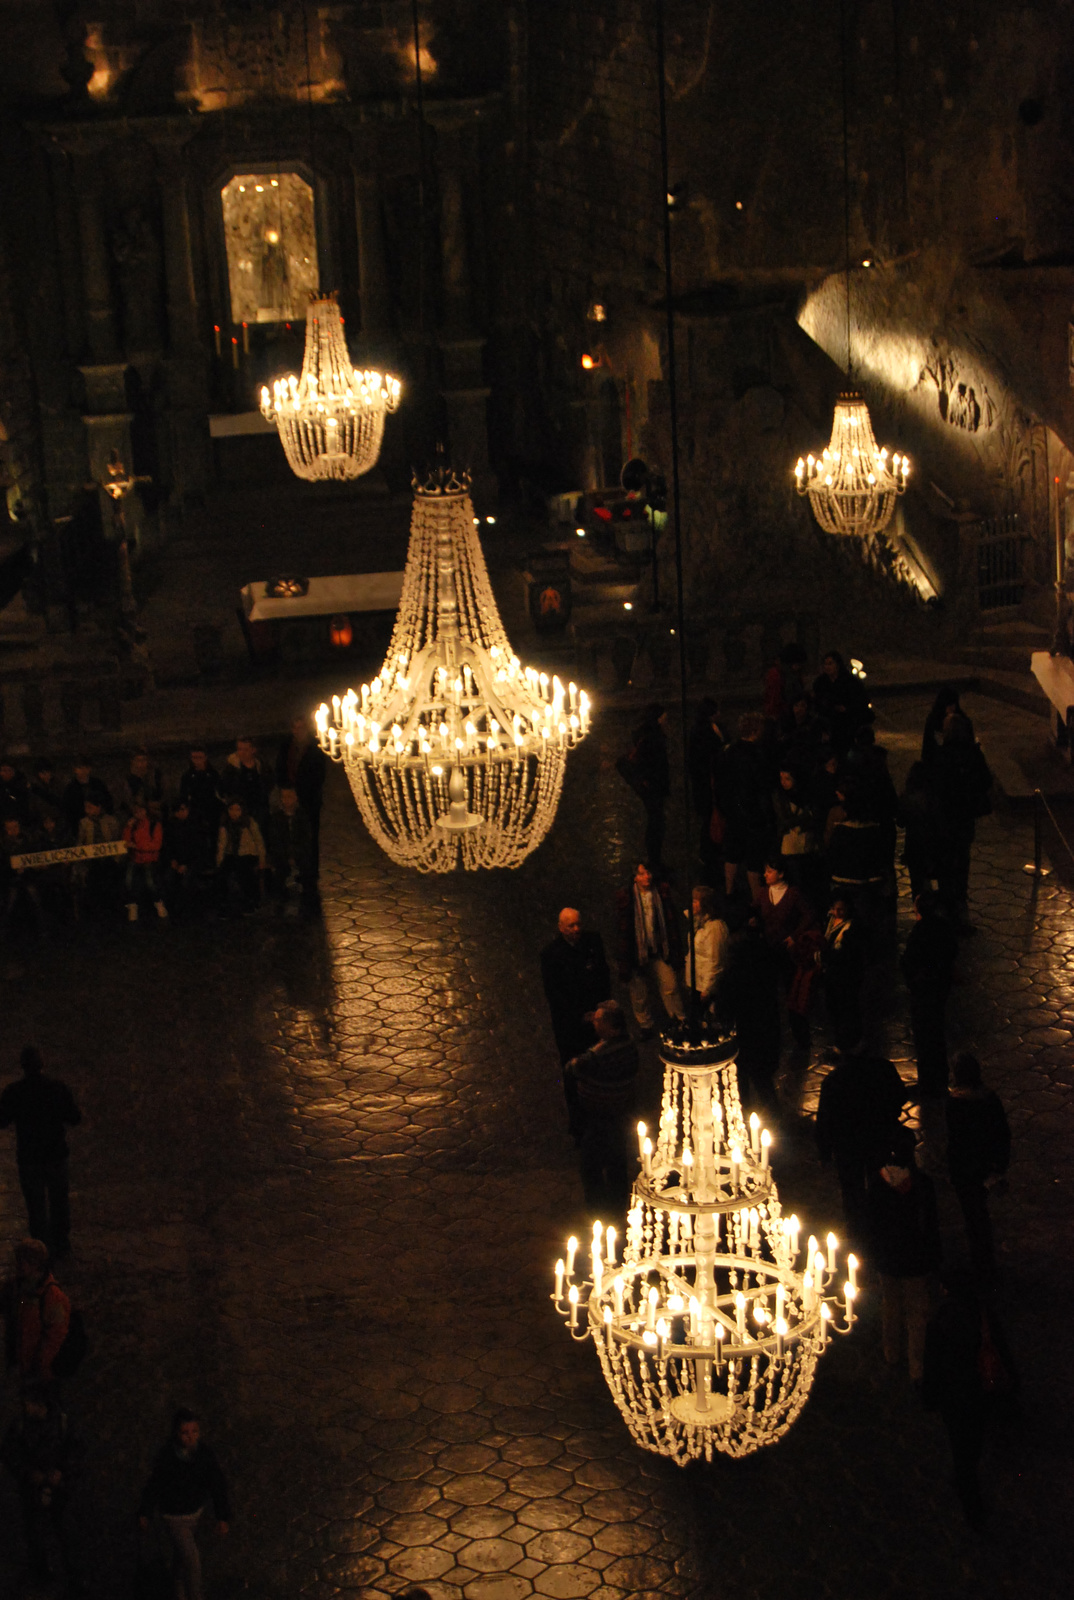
[(322, 1180)]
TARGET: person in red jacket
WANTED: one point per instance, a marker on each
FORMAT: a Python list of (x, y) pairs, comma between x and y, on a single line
[(37, 1313), (144, 838)]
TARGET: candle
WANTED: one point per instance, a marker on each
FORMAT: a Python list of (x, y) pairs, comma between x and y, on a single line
[(572, 1251), (781, 1329), (598, 1229), (598, 1273), (245, 339), (766, 1140), (216, 336), (740, 1316), (818, 1270), (719, 1343), (825, 1318), (647, 1157), (642, 1131), (833, 1245), (849, 1292), (650, 1315), (852, 1270), (736, 1167), (809, 1296), (795, 1229), (559, 1280), (811, 1250), (573, 1298), (755, 1229), (609, 1241), (781, 1302), (755, 1135)]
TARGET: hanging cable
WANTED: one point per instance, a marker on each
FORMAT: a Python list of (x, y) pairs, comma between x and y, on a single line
[(843, 67), (673, 407), (419, 84)]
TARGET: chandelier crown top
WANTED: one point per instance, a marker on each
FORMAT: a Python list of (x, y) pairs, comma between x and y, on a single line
[(440, 480)]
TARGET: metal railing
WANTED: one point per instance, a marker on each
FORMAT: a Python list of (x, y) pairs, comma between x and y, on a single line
[(1036, 867), (999, 562)]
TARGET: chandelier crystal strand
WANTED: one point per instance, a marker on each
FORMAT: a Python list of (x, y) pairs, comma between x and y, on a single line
[(710, 1327), (851, 485), (455, 752), (331, 419)]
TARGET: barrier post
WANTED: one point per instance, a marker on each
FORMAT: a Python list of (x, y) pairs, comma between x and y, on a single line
[(1036, 867)]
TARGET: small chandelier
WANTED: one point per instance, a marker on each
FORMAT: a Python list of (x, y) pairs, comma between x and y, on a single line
[(331, 420), (710, 1328), (850, 485), (455, 752)]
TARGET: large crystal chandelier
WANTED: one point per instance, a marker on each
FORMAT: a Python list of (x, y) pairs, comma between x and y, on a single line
[(331, 419), (710, 1327), (455, 752), (851, 486)]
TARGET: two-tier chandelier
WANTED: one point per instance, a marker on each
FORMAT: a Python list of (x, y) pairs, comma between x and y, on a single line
[(331, 419), (851, 485), (455, 752), (710, 1327)]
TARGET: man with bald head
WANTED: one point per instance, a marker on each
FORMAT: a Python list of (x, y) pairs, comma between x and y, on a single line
[(576, 979)]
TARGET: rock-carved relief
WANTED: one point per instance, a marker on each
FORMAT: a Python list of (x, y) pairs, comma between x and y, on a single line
[(136, 251), (262, 55), (271, 246), (960, 403)]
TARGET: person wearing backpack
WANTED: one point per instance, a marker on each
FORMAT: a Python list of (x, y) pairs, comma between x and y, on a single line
[(37, 1315)]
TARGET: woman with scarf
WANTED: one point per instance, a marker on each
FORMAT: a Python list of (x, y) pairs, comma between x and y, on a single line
[(649, 947)]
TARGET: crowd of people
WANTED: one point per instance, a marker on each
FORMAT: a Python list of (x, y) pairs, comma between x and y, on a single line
[(228, 839), (792, 920)]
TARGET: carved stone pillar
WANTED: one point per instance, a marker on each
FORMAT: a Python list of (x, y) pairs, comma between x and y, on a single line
[(96, 272), (372, 267), (188, 444), (461, 345)]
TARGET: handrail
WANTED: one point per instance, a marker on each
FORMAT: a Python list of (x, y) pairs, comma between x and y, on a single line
[(1055, 825), (1036, 868)]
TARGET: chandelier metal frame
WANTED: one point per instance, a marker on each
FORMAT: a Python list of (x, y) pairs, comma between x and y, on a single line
[(331, 419), (710, 1329), (455, 752)]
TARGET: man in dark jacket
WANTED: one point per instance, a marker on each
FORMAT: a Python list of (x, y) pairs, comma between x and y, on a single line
[(858, 1109), (42, 1109), (576, 979), (290, 849), (606, 1077), (905, 1234), (928, 964), (186, 1476), (978, 1148), (647, 771), (15, 799), (649, 946), (199, 788), (302, 765), (963, 783)]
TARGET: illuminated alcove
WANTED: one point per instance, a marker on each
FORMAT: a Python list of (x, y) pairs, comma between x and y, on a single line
[(271, 241)]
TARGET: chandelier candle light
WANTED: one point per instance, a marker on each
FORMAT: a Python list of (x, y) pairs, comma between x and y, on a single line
[(331, 419), (710, 1327), (851, 485), (455, 752)]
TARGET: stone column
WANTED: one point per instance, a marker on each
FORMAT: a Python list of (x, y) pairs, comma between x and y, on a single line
[(96, 274), (461, 345), (372, 267), (186, 367)]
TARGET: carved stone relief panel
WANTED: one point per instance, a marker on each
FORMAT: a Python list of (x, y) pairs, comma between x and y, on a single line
[(271, 244), (962, 398)]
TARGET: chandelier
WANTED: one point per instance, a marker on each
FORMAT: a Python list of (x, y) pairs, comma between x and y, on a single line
[(850, 485), (331, 419), (710, 1327), (455, 752)]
